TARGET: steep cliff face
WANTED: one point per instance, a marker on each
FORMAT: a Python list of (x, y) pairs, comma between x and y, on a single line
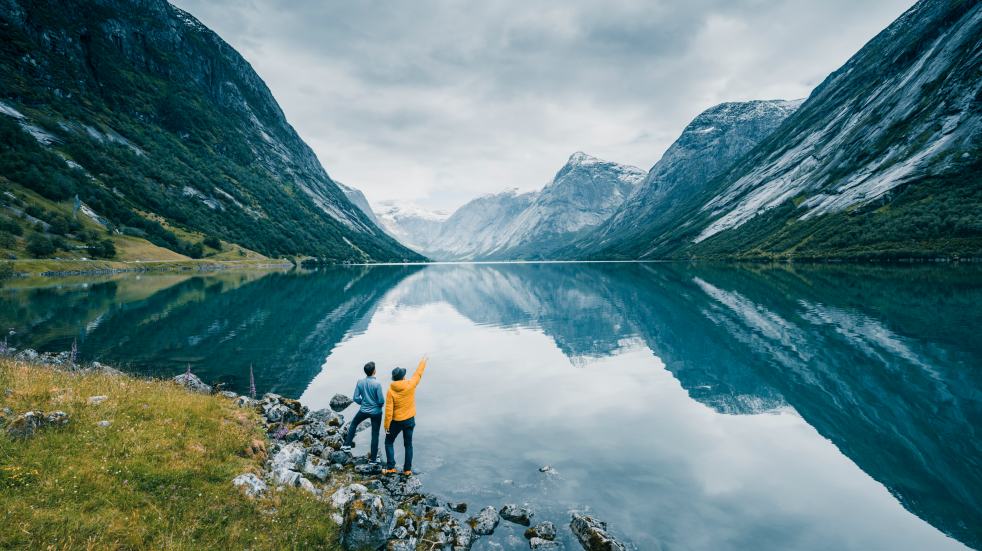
[(709, 145), (884, 159), (158, 124)]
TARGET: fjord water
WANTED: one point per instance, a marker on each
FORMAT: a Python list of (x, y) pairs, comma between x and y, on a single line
[(690, 406)]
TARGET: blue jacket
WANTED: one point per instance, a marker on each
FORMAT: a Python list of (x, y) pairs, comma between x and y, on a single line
[(368, 394)]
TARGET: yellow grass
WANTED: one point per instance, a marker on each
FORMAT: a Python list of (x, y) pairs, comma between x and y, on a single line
[(159, 477)]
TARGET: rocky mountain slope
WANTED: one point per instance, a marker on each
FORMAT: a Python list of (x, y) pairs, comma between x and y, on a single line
[(512, 225), (164, 132), (709, 145), (415, 227), (884, 159)]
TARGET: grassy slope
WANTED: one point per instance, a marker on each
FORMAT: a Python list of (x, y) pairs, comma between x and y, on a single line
[(158, 477)]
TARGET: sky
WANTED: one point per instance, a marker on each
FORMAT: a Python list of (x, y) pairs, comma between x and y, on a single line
[(434, 102)]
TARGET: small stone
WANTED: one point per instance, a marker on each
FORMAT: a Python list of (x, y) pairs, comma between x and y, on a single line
[(485, 522), (340, 402), (543, 530), (96, 400), (103, 423), (548, 469), (228, 394), (519, 515), (250, 484), (457, 507)]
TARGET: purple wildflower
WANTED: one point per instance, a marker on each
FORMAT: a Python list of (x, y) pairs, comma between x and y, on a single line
[(252, 383)]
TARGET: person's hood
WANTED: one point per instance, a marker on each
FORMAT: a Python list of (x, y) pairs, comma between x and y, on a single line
[(400, 387)]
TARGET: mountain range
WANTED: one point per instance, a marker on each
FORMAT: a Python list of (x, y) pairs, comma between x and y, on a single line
[(882, 161), (164, 133), (128, 122), (532, 225)]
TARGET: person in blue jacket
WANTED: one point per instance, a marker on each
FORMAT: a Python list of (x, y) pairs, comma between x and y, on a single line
[(368, 395)]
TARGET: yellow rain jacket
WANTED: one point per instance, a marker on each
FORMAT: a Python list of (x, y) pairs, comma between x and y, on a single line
[(400, 400)]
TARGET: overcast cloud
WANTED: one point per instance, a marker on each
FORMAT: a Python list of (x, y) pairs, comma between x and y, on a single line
[(436, 102)]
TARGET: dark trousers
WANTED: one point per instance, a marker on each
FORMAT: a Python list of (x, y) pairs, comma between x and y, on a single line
[(406, 428), (376, 422)]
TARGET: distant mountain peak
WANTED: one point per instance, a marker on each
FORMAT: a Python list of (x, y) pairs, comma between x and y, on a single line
[(581, 158)]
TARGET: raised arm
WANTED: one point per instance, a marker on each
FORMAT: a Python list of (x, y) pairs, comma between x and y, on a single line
[(414, 380)]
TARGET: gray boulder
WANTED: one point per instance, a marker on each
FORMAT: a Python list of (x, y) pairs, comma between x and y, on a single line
[(27, 424), (27, 355), (285, 477), (368, 469), (245, 402), (540, 543), (314, 469), (401, 487), (485, 522), (340, 402), (543, 530), (326, 416), (592, 534), (339, 457), (250, 484), (518, 514), (308, 486), (292, 457), (444, 531), (366, 521), (56, 419), (191, 382)]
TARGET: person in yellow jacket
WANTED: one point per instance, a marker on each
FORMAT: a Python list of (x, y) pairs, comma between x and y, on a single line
[(400, 416)]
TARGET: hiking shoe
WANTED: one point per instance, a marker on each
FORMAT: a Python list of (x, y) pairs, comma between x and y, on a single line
[(346, 448), (388, 471), (407, 473)]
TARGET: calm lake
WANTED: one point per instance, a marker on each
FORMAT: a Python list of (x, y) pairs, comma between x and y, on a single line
[(691, 407)]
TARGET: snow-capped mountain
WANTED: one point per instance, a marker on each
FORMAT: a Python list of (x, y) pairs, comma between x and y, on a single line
[(474, 229), (709, 145), (512, 225), (883, 160), (415, 227)]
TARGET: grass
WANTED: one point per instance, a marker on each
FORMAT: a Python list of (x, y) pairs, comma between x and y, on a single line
[(159, 477)]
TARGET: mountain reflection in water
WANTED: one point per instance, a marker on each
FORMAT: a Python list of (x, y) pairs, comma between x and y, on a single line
[(882, 362)]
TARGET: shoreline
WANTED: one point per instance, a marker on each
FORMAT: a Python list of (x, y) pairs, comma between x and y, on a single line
[(297, 457), (14, 269)]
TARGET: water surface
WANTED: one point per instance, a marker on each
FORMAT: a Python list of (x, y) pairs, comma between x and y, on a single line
[(692, 407)]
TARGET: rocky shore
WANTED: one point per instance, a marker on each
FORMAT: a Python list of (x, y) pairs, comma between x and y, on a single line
[(371, 510)]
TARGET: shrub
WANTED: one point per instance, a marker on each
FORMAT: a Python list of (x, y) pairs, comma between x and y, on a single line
[(39, 246)]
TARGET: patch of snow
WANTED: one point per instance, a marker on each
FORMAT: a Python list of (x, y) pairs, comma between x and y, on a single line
[(10, 111)]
